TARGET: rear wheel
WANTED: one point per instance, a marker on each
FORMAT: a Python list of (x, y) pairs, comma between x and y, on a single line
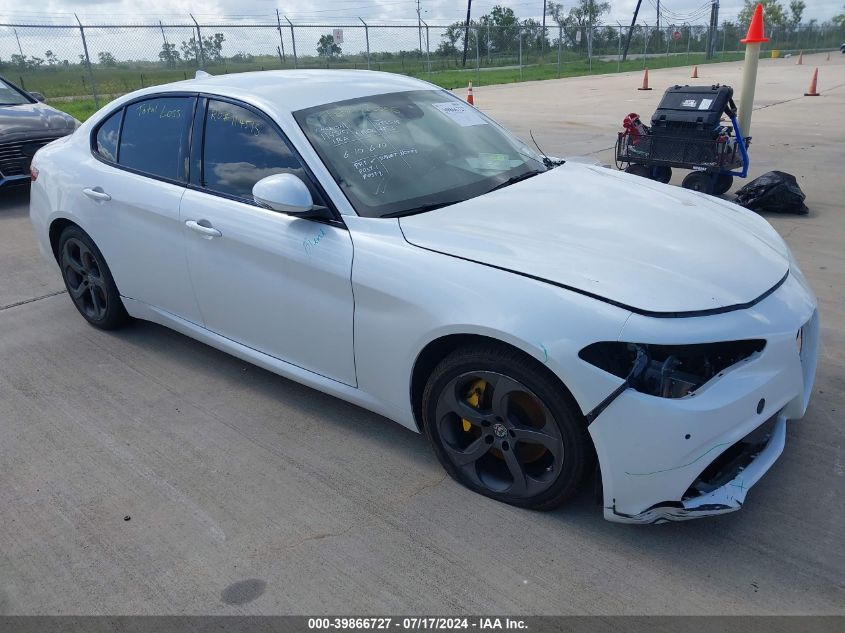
[(662, 173), (88, 280), (723, 183), (638, 170), (501, 426), (698, 181)]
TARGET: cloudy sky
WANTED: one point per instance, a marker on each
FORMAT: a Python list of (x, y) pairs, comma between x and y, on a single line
[(317, 11)]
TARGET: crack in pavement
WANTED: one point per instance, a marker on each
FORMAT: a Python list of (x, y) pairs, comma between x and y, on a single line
[(33, 300)]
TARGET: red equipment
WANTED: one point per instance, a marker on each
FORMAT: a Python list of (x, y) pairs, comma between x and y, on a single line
[(634, 127)]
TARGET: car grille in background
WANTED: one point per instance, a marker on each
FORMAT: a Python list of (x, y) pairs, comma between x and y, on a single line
[(16, 157)]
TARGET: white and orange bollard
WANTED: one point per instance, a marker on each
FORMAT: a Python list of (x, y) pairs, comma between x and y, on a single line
[(470, 99), (753, 39)]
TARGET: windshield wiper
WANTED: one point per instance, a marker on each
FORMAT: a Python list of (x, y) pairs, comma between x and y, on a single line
[(421, 209), (515, 179)]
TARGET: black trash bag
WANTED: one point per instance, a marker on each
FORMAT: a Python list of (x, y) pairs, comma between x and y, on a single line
[(774, 191)]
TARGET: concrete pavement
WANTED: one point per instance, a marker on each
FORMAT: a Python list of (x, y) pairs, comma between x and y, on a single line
[(145, 473)]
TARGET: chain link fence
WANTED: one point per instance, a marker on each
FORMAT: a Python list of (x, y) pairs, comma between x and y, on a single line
[(101, 61)]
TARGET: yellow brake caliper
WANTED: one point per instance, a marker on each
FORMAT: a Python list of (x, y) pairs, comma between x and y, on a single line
[(473, 398)]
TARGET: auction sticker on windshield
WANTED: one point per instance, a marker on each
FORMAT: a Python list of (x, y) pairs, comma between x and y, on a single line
[(461, 114)]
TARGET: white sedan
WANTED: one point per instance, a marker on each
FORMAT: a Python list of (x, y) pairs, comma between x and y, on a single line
[(374, 237)]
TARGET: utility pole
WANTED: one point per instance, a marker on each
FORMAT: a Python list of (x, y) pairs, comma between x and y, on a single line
[(631, 30), (714, 25), (419, 24), (658, 16), (466, 34), (543, 52)]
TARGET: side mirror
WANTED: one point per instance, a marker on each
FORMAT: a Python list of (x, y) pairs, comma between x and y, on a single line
[(285, 193), (37, 96)]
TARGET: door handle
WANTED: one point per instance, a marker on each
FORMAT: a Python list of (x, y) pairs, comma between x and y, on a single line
[(97, 194), (207, 232)]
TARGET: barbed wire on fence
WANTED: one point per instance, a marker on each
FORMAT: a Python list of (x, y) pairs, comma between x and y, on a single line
[(76, 60)]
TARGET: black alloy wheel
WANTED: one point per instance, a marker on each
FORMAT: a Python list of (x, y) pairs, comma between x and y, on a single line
[(88, 280), (502, 427)]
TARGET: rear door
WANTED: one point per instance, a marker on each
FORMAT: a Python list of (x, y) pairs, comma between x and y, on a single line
[(131, 191), (270, 281)]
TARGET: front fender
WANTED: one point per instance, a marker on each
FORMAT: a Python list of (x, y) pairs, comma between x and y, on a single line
[(406, 297)]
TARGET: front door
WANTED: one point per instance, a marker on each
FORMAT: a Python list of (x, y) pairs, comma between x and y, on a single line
[(275, 283)]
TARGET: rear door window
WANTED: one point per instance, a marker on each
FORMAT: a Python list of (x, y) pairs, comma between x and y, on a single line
[(155, 136), (107, 137)]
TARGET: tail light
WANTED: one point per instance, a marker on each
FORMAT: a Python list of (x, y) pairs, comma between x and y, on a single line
[(33, 173)]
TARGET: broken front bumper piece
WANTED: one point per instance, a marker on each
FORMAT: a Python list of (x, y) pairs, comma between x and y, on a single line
[(749, 463)]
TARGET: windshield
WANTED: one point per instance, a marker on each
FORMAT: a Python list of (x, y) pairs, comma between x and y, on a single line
[(407, 152), (10, 95)]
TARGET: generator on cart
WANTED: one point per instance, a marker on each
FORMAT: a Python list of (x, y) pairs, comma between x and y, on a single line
[(687, 132)]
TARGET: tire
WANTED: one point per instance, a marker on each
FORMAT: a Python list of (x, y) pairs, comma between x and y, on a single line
[(723, 183), (638, 170), (89, 281), (662, 173), (530, 450), (698, 181)]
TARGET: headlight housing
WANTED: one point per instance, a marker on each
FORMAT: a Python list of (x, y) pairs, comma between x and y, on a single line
[(669, 371)]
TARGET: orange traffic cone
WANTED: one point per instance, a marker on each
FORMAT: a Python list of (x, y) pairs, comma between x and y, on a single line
[(645, 81), (800, 61), (470, 100), (756, 32), (811, 91), (694, 73)]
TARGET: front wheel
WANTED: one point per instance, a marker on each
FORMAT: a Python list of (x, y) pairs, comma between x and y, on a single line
[(88, 280), (503, 427), (723, 183)]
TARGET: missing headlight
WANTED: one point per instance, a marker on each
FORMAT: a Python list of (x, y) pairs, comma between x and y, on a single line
[(671, 371)]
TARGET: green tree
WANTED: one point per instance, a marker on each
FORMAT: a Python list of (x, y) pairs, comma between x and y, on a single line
[(52, 60), (587, 13), (796, 11), (169, 56), (190, 49), (504, 29), (555, 11), (106, 59), (773, 13), (533, 37), (212, 47), (327, 47), (449, 46)]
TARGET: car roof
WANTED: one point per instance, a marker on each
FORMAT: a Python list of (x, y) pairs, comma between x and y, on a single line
[(294, 90)]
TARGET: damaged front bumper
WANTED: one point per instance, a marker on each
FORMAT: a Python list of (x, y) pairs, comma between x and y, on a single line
[(667, 459), (728, 497)]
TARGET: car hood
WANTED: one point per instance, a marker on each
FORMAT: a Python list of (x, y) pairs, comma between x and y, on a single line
[(648, 247), (33, 120)]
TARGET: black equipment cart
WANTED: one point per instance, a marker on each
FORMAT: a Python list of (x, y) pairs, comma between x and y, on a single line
[(686, 132)]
